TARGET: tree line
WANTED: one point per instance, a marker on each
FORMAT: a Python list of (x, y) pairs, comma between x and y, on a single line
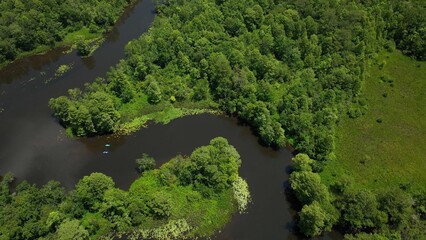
[(172, 202), (26, 25), (293, 65), (362, 214)]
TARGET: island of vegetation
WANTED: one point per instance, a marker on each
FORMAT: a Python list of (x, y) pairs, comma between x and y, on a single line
[(296, 65), (32, 26), (188, 197)]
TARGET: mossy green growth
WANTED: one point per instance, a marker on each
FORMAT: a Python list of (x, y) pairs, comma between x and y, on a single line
[(83, 33), (62, 69), (136, 114), (392, 153), (205, 214)]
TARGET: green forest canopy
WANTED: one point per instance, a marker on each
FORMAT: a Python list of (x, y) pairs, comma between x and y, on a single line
[(188, 196), (295, 65), (26, 25)]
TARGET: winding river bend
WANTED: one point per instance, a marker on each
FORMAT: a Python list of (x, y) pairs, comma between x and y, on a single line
[(34, 147)]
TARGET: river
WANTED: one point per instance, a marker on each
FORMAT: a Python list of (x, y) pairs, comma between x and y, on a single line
[(34, 147)]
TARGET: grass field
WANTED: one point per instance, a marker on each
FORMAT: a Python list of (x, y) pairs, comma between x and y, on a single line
[(83, 33), (137, 113), (386, 147)]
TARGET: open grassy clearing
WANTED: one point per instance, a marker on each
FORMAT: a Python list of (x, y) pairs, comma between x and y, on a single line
[(136, 114), (386, 147)]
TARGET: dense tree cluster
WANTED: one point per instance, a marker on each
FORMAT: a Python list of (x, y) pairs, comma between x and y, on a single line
[(25, 25), (389, 215), (318, 214), (95, 113), (293, 65), (408, 27), (189, 189)]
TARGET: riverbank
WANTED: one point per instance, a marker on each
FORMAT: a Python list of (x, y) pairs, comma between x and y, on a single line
[(191, 196), (90, 32), (386, 147), (137, 113), (68, 43)]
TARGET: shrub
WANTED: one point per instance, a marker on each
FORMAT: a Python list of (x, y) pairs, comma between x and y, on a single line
[(308, 187), (174, 229), (83, 48), (145, 163), (302, 162), (314, 219), (354, 112), (241, 193)]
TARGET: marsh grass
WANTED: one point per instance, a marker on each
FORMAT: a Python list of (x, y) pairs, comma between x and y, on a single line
[(386, 147), (136, 114)]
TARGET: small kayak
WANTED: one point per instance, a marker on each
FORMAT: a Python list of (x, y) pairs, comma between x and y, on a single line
[(105, 152), (107, 145)]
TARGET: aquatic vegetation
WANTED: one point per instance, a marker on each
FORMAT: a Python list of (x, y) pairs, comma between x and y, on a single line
[(241, 194), (62, 69)]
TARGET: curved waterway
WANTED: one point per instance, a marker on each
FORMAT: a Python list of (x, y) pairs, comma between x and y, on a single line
[(34, 147), (31, 141)]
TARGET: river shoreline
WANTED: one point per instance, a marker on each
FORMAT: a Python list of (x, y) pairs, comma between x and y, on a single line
[(66, 46)]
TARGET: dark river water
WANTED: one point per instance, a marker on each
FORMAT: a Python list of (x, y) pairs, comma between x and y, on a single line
[(34, 147)]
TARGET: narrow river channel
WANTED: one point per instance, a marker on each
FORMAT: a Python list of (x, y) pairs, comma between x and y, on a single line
[(34, 147)]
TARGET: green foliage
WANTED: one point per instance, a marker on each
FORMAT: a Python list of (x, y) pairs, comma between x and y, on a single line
[(397, 204), (318, 214), (308, 187), (165, 203), (293, 65), (24, 213), (277, 65), (241, 194), (174, 229), (90, 190), (367, 236), (62, 69), (83, 48), (114, 208), (218, 172), (86, 114), (72, 230), (410, 32), (393, 151), (153, 91), (360, 210), (314, 219), (302, 162), (120, 86), (391, 174), (29, 26), (145, 163), (420, 206)]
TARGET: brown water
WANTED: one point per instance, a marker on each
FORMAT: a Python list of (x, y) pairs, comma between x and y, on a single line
[(34, 147)]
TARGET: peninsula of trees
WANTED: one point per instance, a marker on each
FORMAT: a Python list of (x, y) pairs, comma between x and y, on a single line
[(189, 196)]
